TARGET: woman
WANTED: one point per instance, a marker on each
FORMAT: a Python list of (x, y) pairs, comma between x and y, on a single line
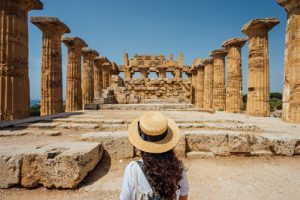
[(159, 174)]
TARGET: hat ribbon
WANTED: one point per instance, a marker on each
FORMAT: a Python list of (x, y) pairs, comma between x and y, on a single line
[(151, 138)]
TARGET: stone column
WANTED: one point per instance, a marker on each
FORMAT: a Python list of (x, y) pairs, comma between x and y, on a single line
[(144, 72), (51, 88), (74, 93), (87, 84), (219, 94), (199, 86), (98, 76), (178, 72), (161, 72), (291, 94), (258, 68), (208, 83), (127, 73), (234, 86), (14, 80), (105, 75), (193, 77)]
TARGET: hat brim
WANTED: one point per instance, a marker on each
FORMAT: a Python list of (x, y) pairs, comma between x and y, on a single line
[(164, 145)]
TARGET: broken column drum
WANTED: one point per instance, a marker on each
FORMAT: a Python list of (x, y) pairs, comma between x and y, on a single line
[(14, 80), (258, 94), (234, 86), (73, 88), (51, 88), (219, 94), (291, 93), (87, 84)]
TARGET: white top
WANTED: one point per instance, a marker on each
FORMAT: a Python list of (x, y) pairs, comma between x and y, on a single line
[(133, 173)]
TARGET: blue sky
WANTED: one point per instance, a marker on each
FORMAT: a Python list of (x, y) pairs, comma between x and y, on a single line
[(194, 27)]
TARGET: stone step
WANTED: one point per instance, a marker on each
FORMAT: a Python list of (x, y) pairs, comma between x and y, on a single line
[(217, 142), (57, 165), (147, 106)]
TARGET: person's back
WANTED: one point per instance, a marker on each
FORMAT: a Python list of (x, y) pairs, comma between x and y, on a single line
[(159, 174)]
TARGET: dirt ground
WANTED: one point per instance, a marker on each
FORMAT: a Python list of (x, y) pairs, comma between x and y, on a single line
[(240, 178)]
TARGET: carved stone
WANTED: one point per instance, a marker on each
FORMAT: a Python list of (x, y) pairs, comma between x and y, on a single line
[(291, 94), (258, 69), (98, 76), (234, 86), (14, 80), (74, 92), (219, 94), (51, 89), (87, 84), (208, 83)]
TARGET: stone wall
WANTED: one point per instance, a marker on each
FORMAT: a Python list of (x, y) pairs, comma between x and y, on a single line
[(149, 90)]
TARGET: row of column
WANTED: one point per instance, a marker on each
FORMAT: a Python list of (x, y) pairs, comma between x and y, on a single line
[(14, 79), (231, 99), (161, 72)]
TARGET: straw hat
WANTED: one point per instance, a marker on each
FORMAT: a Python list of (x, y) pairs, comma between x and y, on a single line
[(153, 133)]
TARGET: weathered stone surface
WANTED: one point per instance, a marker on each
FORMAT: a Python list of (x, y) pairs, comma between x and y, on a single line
[(282, 144), (208, 83), (74, 93), (115, 143), (199, 90), (239, 143), (291, 95), (258, 68), (51, 94), (234, 86), (60, 165), (78, 126), (219, 97), (14, 80), (180, 148), (51, 133), (216, 142), (10, 165), (88, 75), (13, 133)]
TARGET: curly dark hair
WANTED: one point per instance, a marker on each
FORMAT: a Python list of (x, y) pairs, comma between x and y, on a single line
[(164, 172)]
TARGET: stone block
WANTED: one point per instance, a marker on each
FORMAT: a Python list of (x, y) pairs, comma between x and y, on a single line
[(10, 165), (60, 165), (79, 126), (115, 143), (180, 148), (13, 133), (239, 143), (208, 141)]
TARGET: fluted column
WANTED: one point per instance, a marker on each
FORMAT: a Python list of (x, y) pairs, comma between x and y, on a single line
[(193, 77), (208, 83), (161, 72), (258, 68), (291, 92), (51, 88), (199, 86), (234, 86), (144, 72), (178, 72), (74, 93), (219, 94), (14, 80), (98, 75), (87, 83), (105, 78)]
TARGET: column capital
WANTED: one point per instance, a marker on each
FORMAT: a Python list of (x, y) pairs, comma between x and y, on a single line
[(30, 4), (259, 25), (50, 24), (74, 42), (235, 42), (289, 5), (90, 53), (208, 61), (219, 53)]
